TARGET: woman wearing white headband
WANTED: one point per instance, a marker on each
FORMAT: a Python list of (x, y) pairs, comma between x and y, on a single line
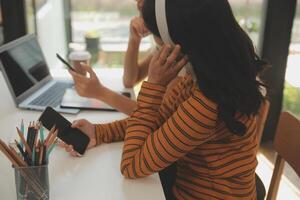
[(134, 70), (207, 125)]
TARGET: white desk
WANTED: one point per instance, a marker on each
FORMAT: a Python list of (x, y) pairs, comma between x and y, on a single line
[(94, 176)]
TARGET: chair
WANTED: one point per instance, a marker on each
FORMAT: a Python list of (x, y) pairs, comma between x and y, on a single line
[(287, 146)]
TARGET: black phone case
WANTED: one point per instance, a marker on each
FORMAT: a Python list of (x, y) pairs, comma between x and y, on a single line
[(65, 62), (66, 133)]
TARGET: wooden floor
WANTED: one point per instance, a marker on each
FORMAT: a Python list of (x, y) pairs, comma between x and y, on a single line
[(290, 183)]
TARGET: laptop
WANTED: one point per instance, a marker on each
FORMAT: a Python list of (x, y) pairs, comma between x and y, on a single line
[(72, 100), (28, 78)]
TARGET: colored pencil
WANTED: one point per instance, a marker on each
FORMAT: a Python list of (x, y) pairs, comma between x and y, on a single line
[(24, 142), (22, 130)]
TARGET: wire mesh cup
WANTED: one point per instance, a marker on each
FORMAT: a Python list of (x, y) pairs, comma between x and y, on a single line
[(32, 182)]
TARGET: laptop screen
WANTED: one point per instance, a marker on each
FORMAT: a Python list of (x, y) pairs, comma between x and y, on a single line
[(24, 65)]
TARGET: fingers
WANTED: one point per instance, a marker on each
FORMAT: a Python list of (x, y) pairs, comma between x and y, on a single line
[(155, 56), (81, 82), (164, 54), (136, 26), (75, 154), (88, 69), (171, 60), (181, 63), (70, 150), (78, 123), (145, 31), (78, 77), (61, 144), (139, 26)]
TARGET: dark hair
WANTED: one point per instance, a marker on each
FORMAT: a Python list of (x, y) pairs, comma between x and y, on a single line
[(222, 54)]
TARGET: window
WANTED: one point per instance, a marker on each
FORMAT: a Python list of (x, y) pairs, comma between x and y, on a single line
[(102, 26), (46, 19), (292, 85), (30, 16), (106, 24), (249, 15)]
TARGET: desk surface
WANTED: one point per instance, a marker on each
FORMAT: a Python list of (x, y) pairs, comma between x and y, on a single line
[(94, 176)]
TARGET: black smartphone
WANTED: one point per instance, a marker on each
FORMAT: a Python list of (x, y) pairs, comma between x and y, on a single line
[(65, 62), (71, 136)]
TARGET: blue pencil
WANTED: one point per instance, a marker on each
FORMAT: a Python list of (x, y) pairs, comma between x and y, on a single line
[(42, 134), (22, 130)]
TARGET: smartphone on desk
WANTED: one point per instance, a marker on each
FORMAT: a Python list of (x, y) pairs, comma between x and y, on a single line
[(71, 136)]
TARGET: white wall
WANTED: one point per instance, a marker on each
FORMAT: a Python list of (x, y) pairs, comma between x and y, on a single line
[(51, 31)]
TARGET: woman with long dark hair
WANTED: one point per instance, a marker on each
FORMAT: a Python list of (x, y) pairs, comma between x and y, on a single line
[(207, 125)]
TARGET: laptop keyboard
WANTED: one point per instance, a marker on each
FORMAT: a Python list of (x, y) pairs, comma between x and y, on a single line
[(53, 96)]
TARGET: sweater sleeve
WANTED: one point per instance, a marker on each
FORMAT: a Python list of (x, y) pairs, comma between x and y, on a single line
[(150, 147), (115, 131), (174, 97), (111, 132)]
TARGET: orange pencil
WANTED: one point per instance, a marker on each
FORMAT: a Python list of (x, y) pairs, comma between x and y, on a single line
[(17, 158), (41, 155), (7, 153), (52, 139), (49, 135)]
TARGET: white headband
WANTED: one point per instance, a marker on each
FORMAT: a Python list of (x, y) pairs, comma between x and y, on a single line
[(161, 20), (162, 24)]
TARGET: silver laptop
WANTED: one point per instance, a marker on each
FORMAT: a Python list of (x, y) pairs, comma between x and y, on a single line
[(28, 78)]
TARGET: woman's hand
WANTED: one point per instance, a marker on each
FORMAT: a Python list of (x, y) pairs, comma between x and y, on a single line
[(87, 128), (138, 29), (90, 86), (139, 5), (166, 64)]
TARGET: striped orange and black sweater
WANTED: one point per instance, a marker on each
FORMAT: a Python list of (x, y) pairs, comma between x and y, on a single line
[(183, 127)]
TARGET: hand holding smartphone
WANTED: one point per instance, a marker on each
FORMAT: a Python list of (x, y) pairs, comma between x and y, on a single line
[(71, 136)]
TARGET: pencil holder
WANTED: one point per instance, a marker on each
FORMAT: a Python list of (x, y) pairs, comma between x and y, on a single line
[(32, 182)]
